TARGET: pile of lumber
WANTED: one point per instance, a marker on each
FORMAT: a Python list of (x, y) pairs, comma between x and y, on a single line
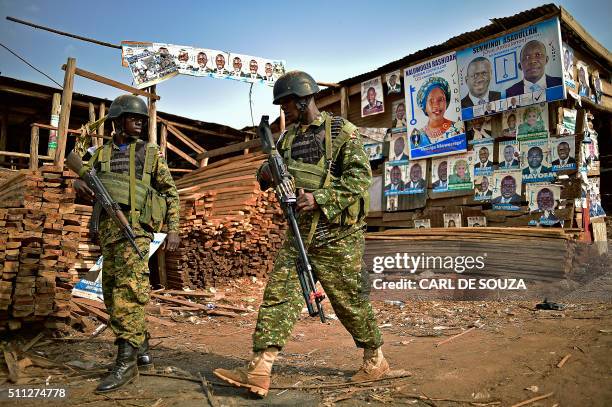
[(534, 254), (39, 236), (229, 227), (88, 249)]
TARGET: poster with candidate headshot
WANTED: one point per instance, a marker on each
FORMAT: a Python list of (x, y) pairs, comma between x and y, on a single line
[(393, 80), (568, 68), (482, 157), (432, 108), (509, 155), (524, 62), (477, 221), (544, 198), (417, 174), (460, 169), (535, 161), (395, 178), (398, 114), (510, 123), (373, 139), (482, 188), (563, 153), (422, 223), (372, 97), (583, 79), (439, 174), (479, 130), (533, 122), (398, 147), (392, 203), (507, 190), (452, 220)]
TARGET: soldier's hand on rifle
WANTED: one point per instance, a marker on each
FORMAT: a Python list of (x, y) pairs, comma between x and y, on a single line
[(306, 201), (83, 190), (172, 241)]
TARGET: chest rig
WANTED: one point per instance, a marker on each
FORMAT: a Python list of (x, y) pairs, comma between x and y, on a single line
[(314, 162), (126, 175)]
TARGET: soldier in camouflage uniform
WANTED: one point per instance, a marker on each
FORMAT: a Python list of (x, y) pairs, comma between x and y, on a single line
[(138, 178), (332, 174)]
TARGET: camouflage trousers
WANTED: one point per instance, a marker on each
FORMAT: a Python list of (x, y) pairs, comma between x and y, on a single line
[(125, 283), (338, 267)]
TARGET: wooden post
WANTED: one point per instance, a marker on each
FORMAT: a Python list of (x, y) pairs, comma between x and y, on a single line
[(161, 267), (92, 118), (34, 148), (54, 121), (101, 114), (282, 120), (163, 138), (152, 117), (344, 102), (246, 138), (3, 131), (64, 118)]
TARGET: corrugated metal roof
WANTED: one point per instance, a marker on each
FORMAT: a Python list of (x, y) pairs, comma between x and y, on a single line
[(497, 26)]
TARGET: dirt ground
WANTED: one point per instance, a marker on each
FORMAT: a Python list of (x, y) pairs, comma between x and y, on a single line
[(510, 356)]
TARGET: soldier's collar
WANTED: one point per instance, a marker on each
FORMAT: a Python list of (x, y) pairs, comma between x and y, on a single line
[(316, 122)]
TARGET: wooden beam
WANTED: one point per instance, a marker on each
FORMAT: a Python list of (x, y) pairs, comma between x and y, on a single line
[(188, 142), (70, 131), (230, 149), (25, 155), (64, 118), (161, 267), (37, 95), (34, 148), (110, 82), (152, 116), (56, 106), (3, 130), (92, 118), (198, 130), (344, 102), (180, 170), (101, 113), (163, 138), (329, 84), (182, 154)]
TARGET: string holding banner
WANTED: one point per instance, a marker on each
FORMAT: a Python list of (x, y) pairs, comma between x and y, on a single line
[(152, 63)]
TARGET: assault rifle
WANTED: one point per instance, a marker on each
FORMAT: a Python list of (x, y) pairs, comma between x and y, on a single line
[(287, 198), (103, 199)]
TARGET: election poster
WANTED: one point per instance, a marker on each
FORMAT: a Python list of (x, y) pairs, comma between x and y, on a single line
[(535, 161), (417, 174), (583, 79), (460, 167), (526, 63), (568, 68), (543, 198), (432, 108), (533, 122), (452, 220), (509, 123), (394, 82), (395, 178), (149, 68), (509, 155), (373, 139), (372, 97), (563, 153), (439, 174), (477, 221), (507, 190), (482, 157), (422, 223), (482, 190), (398, 114), (398, 147), (568, 125)]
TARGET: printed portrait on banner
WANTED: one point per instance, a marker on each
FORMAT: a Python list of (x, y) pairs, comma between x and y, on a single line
[(568, 125), (535, 161), (460, 168), (393, 80), (482, 188), (149, 67), (510, 123), (417, 174), (373, 139), (477, 221), (422, 223), (439, 174), (452, 220), (372, 97), (432, 108), (526, 64), (395, 178), (398, 147), (479, 130), (398, 114), (594, 194), (583, 79), (507, 190), (509, 154), (482, 157), (543, 198), (392, 203), (533, 122), (568, 68), (563, 153)]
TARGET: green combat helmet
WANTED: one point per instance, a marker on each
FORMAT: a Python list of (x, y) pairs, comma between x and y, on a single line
[(127, 104), (294, 83)]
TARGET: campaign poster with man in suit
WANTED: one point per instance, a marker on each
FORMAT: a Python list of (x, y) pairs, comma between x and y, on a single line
[(524, 64), (563, 151), (415, 183), (544, 198), (507, 190), (535, 161)]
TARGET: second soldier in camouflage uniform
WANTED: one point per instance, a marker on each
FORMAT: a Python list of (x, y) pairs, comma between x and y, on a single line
[(138, 178), (332, 174)]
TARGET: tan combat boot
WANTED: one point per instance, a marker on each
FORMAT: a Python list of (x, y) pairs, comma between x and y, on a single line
[(374, 366), (256, 376)]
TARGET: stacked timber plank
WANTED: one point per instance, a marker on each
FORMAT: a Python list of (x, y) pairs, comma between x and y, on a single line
[(536, 254), (38, 243), (88, 249), (229, 227)]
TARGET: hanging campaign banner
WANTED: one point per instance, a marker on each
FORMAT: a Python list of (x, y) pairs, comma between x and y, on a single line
[(195, 62), (432, 105), (519, 68)]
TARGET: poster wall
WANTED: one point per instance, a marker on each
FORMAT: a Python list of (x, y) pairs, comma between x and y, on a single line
[(525, 64), (432, 108)]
